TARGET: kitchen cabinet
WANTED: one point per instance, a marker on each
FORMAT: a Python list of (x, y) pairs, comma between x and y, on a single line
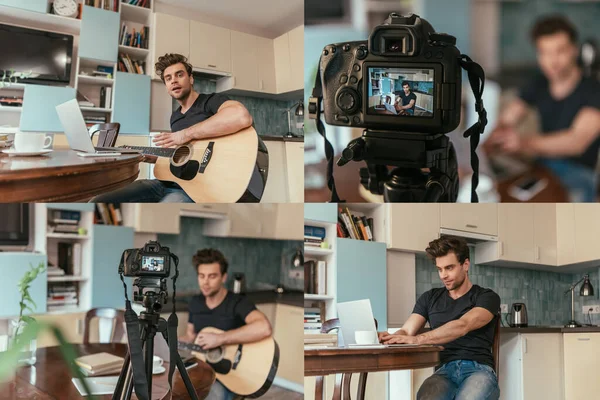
[(266, 66), (154, 218), (587, 231), (531, 366), (476, 218), (515, 232), (269, 310), (70, 324), (289, 333), (565, 233), (581, 365), (283, 69), (410, 227), (214, 210), (296, 41), (99, 34), (244, 61), (243, 220), (294, 159), (545, 233), (285, 183), (283, 221), (210, 47), (171, 35)]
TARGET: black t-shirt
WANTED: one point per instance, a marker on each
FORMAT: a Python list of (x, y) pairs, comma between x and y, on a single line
[(205, 106), (406, 99), (558, 115), (230, 314), (438, 308)]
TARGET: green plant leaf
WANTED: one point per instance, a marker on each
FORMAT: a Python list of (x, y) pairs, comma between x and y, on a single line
[(28, 319)]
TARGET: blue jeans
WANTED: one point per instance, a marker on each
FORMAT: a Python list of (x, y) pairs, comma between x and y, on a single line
[(461, 380), (219, 392), (580, 181), (145, 191)]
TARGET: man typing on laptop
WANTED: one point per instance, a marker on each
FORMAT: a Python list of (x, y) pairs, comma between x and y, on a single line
[(462, 317)]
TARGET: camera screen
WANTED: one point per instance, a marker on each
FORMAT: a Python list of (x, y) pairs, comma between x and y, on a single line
[(401, 92), (153, 264)]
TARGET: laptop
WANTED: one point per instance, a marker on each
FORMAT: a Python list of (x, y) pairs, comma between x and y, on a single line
[(78, 136), (390, 108), (358, 316)]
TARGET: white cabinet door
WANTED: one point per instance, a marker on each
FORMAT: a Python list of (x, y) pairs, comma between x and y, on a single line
[(545, 234), (587, 231), (296, 43), (210, 47), (477, 218), (157, 218), (294, 159), (283, 70), (289, 334), (582, 365), (542, 357), (171, 35), (515, 232), (266, 66), (244, 61), (245, 221), (412, 226), (276, 189), (565, 233), (216, 209)]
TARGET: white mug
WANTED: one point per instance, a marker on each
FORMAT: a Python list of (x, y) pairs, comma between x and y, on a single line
[(31, 141), (156, 362), (366, 337)]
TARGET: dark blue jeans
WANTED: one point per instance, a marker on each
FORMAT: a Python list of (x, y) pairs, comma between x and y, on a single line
[(145, 191), (580, 181), (461, 380), (219, 392)]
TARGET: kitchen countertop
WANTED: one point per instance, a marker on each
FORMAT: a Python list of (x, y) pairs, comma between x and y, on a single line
[(279, 138), (551, 329), (288, 297)]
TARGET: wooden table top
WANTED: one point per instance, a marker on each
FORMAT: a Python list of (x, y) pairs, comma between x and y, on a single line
[(336, 360), (554, 192), (50, 378), (64, 176)]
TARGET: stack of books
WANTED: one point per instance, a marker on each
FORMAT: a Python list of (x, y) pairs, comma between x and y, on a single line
[(108, 214), (63, 221), (313, 236), (91, 120), (351, 225), (61, 295), (110, 5), (105, 96), (312, 320), (320, 340), (53, 270), (315, 277), (137, 39), (126, 64), (99, 364), (69, 258), (139, 3)]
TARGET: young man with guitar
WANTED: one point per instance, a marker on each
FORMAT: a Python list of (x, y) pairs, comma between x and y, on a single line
[(238, 323), (199, 118)]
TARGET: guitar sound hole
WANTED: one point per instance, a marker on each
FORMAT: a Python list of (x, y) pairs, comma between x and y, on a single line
[(182, 155), (214, 355)]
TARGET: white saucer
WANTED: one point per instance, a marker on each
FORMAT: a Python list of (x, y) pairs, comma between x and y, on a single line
[(158, 370), (13, 152)]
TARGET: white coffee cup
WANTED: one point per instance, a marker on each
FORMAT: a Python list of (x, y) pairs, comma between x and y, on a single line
[(365, 337), (156, 362), (31, 142)]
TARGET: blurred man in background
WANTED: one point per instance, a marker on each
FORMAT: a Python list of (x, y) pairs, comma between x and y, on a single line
[(569, 108)]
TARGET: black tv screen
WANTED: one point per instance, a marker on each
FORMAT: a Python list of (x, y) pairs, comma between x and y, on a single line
[(46, 55), (15, 224)]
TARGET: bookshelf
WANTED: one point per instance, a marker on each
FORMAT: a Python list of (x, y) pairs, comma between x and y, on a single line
[(375, 211)]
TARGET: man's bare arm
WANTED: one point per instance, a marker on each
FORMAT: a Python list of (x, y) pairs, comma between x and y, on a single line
[(190, 334), (570, 142), (472, 320), (231, 117), (513, 114), (257, 328), (413, 324), (408, 106)]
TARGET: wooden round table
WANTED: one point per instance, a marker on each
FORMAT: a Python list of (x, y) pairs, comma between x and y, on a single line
[(321, 362), (50, 378), (64, 176)]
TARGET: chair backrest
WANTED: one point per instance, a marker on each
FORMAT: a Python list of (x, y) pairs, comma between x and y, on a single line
[(107, 133), (118, 317), (496, 344)]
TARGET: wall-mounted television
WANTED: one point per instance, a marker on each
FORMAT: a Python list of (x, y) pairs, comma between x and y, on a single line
[(46, 55), (16, 226)]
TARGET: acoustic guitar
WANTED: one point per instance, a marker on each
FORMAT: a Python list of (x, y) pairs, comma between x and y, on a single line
[(247, 369), (224, 169)]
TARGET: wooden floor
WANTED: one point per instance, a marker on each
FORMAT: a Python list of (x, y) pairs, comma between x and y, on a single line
[(276, 392)]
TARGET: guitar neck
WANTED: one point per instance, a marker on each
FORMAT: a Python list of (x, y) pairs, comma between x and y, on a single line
[(152, 151), (192, 347)]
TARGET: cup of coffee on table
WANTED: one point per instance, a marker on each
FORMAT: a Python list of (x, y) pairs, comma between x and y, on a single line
[(366, 337), (156, 362), (31, 142)]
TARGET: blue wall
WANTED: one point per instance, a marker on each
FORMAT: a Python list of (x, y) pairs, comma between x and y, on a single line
[(542, 292), (265, 263)]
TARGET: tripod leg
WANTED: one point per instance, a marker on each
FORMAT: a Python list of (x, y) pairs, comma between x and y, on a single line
[(149, 347), (182, 371), (122, 377)]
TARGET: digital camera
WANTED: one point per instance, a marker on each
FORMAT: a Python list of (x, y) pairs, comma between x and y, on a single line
[(151, 261), (405, 77)]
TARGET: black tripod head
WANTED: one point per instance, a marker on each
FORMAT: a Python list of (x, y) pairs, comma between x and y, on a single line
[(426, 165)]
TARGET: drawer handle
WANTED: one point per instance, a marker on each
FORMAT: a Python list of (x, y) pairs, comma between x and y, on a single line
[(471, 226), (587, 339), (212, 66)]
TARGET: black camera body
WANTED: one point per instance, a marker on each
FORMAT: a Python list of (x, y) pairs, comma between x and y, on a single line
[(370, 84), (152, 261)]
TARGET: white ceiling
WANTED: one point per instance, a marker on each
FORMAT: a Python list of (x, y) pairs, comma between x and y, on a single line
[(274, 16)]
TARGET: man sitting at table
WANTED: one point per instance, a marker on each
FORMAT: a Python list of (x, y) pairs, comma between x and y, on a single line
[(462, 317), (569, 108), (219, 308)]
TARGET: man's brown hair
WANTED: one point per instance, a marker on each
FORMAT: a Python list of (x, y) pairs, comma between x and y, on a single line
[(209, 256), (169, 59), (551, 24), (446, 244)]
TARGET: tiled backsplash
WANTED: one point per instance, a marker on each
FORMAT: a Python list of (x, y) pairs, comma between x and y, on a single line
[(542, 292), (517, 19), (269, 115), (265, 263)]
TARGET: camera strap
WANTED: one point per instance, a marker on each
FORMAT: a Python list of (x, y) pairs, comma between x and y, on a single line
[(172, 329), (476, 77)]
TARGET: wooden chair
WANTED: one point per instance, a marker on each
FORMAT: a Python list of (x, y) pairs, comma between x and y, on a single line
[(117, 332), (496, 345), (107, 133), (342, 381)]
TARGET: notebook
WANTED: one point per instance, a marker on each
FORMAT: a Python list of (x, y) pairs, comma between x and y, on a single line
[(99, 362)]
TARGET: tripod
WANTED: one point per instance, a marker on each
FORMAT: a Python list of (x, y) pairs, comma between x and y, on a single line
[(410, 153), (151, 322)]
